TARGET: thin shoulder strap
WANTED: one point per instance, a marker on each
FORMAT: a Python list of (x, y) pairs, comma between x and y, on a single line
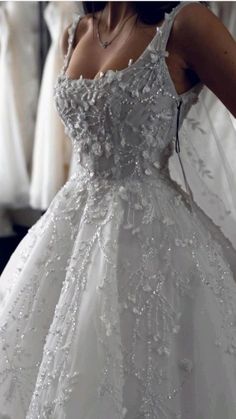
[(71, 37), (169, 20)]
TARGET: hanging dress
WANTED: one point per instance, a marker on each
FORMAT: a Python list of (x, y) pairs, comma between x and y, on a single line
[(18, 97), (52, 150)]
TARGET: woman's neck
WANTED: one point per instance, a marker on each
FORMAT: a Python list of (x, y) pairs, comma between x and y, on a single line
[(115, 12)]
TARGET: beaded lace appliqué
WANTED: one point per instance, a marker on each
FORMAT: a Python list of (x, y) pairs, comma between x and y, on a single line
[(121, 229)]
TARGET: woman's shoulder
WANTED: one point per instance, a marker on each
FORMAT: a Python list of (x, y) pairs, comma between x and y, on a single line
[(206, 47), (192, 16), (193, 25)]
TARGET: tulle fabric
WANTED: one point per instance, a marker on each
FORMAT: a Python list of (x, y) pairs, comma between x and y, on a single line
[(52, 149), (19, 84), (120, 301)]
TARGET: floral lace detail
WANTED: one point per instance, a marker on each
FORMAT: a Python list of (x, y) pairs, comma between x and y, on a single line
[(110, 281), (121, 96)]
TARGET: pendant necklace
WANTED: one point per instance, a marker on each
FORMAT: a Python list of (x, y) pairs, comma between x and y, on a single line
[(105, 44)]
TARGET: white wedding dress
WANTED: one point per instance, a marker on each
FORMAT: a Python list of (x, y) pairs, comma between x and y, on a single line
[(52, 149), (18, 99), (119, 303)]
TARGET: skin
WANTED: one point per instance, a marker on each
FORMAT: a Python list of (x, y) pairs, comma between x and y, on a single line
[(200, 48)]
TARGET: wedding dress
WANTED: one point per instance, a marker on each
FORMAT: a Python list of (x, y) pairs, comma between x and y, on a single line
[(52, 150), (18, 97), (119, 303)]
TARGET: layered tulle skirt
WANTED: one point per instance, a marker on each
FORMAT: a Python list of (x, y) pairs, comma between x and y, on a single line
[(119, 303)]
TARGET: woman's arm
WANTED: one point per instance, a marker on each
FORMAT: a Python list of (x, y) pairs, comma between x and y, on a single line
[(209, 50)]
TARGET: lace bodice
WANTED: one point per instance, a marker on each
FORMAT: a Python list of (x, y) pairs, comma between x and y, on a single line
[(123, 124)]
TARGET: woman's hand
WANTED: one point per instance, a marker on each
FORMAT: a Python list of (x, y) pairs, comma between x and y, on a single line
[(208, 49)]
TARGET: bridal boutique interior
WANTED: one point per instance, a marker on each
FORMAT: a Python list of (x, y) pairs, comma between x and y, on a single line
[(35, 154), (34, 150)]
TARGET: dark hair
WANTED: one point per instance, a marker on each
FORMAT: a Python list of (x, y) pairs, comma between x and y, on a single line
[(148, 12)]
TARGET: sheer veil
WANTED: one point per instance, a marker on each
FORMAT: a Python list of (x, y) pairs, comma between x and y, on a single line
[(208, 148), (207, 140)]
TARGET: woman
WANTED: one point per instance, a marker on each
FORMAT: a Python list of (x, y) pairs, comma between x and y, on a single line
[(119, 303)]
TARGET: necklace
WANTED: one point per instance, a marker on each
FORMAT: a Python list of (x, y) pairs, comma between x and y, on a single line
[(106, 43)]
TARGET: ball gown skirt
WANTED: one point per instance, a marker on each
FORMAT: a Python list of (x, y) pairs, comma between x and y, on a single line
[(120, 302)]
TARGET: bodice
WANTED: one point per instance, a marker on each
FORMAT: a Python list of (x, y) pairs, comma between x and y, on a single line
[(123, 124)]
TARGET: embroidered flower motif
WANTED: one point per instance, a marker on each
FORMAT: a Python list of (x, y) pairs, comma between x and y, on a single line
[(97, 149), (182, 242), (154, 57), (178, 200), (157, 164), (110, 75), (108, 149), (163, 350), (123, 193), (147, 172), (145, 154)]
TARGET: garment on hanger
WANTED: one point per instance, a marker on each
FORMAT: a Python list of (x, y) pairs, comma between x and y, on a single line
[(52, 149), (18, 96)]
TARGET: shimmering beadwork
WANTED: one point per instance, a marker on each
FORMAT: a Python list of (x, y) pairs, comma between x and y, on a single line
[(96, 301)]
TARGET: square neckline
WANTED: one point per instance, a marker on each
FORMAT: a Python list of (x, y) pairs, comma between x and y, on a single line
[(194, 90), (116, 72)]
